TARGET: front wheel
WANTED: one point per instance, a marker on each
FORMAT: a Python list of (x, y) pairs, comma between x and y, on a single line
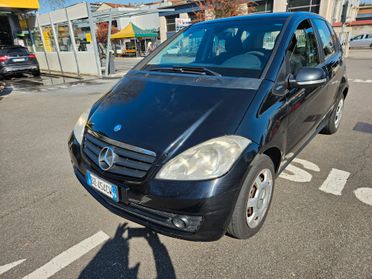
[(335, 119), (254, 200)]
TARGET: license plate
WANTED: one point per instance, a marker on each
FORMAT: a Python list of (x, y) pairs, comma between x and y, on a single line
[(102, 186), (19, 59)]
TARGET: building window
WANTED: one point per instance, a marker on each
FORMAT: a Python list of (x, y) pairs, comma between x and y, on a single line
[(193, 17), (37, 39), (171, 22), (49, 43), (261, 7), (303, 6), (82, 34), (63, 36)]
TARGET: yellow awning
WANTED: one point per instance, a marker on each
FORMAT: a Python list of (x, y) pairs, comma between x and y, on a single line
[(20, 4), (132, 31), (126, 32)]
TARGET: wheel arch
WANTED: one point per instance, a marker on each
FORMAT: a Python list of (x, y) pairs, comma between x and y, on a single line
[(344, 88), (275, 155)]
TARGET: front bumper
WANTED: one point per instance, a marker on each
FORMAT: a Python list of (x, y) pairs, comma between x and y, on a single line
[(206, 205)]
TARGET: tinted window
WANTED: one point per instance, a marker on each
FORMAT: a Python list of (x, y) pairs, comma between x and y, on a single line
[(304, 49), (326, 37), (236, 48), (336, 42), (20, 51), (357, 37)]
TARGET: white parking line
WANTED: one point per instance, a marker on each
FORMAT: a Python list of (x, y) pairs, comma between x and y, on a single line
[(335, 182), (67, 257), (9, 266), (361, 80), (363, 194)]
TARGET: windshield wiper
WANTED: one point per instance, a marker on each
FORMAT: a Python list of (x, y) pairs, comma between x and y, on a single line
[(187, 70)]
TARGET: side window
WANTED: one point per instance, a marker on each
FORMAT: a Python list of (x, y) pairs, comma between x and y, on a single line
[(357, 37), (369, 36), (326, 37), (334, 37), (303, 48)]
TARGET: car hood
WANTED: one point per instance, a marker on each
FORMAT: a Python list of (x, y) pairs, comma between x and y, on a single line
[(172, 112)]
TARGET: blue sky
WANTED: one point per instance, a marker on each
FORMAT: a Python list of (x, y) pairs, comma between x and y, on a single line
[(49, 5)]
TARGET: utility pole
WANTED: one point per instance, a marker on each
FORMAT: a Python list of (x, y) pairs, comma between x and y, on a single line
[(344, 37)]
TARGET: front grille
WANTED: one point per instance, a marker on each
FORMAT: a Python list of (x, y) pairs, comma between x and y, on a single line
[(130, 161)]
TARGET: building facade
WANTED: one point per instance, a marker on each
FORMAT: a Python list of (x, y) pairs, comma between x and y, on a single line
[(329, 9)]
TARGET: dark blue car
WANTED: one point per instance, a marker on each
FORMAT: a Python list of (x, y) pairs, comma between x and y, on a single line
[(190, 141)]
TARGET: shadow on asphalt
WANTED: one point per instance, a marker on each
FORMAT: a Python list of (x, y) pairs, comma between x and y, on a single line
[(112, 260)]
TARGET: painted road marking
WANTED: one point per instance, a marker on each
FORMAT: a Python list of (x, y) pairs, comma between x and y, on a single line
[(297, 174), (335, 182), (307, 164), (67, 257), (9, 266), (363, 194), (360, 80)]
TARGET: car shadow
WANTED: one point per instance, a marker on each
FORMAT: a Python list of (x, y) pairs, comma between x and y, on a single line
[(112, 260)]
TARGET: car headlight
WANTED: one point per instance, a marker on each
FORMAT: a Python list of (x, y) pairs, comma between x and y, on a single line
[(80, 126), (207, 160)]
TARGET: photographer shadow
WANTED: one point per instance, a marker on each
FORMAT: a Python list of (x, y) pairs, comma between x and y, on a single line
[(112, 260)]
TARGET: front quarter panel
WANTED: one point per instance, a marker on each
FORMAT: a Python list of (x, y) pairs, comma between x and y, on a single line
[(265, 122)]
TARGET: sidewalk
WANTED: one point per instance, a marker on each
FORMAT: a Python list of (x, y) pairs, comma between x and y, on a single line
[(124, 64)]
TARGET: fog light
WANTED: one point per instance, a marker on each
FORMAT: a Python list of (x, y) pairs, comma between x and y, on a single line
[(180, 222)]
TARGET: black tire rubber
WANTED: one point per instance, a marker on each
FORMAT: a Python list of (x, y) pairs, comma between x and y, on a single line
[(36, 73), (331, 127), (238, 227)]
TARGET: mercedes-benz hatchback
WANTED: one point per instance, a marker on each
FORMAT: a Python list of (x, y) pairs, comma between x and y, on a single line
[(190, 141)]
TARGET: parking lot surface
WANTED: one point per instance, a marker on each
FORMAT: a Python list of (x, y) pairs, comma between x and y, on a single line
[(319, 224)]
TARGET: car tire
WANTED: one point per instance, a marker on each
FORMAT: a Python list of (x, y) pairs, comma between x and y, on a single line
[(335, 119), (36, 73), (257, 190)]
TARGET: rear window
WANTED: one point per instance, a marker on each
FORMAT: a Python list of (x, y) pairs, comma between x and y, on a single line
[(19, 51)]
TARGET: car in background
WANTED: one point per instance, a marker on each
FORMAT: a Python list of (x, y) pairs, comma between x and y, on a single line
[(17, 59), (363, 40)]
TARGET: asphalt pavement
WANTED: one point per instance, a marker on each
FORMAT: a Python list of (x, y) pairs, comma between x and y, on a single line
[(319, 224)]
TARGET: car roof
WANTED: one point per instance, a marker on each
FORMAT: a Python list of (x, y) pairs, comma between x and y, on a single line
[(268, 16)]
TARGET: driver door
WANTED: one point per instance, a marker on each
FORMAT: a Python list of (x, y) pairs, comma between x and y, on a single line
[(305, 106)]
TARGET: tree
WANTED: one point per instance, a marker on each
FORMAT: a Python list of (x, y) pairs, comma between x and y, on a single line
[(222, 8), (102, 32)]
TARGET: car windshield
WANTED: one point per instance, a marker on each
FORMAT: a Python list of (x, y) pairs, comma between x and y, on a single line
[(238, 48)]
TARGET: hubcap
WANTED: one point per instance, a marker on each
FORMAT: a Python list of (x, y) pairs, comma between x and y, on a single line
[(339, 111), (259, 198)]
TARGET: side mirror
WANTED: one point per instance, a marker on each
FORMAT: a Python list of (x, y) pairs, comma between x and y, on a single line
[(307, 78)]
